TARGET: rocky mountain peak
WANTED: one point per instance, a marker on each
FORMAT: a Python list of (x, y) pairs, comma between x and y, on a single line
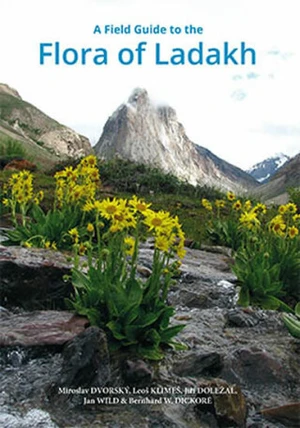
[(141, 131), (139, 98), (8, 90), (167, 114), (43, 136)]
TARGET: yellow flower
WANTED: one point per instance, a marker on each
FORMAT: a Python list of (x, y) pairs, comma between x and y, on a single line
[(139, 204), (77, 192), (158, 221), (230, 196), (296, 217), (220, 203), (90, 160), (282, 209), (162, 243), (260, 208), (70, 173), (277, 225), (53, 246), (124, 219), (74, 234), (293, 231), (109, 208), (206, 204), (237, 205), (129, 242), (81, 249), (27, 244), (47, 244), (88, 206), (181, 252), (5, 202), (90, 228), (250, 220), (291, 208), (115, 228), (279, 228), (247, 205)]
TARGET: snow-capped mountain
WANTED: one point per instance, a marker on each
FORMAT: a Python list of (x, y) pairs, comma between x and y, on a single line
[(262, 171)]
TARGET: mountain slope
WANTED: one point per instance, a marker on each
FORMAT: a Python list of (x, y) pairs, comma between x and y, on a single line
[(41, 135), (262, 171), (276, 188), (142, 132)]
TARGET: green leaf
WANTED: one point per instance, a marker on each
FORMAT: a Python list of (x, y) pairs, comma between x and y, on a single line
[(169, 333), (38, 214), (165, 317), (134, 292), (178, 346), (148, 319), (116, 330), (244, 298), (297, 310), (150, 353), (152, 336), (269, 302), (131, 315), (133, 333), (80, 280), (292, 324)]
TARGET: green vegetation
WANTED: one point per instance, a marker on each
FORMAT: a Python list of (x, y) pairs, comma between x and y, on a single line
[(131, 177), (294, 196), (266, 248), (293, 322), (11, 149)]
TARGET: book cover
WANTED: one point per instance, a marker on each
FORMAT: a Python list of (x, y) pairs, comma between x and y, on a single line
[(206, 95)]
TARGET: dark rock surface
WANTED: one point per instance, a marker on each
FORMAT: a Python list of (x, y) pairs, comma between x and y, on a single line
[(137, 372), (33, 278), (40, 328), (86, 360), (289, 415), (228, 409)]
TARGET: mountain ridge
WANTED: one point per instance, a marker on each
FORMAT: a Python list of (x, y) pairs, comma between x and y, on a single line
[(142, 132), (287, 176), (45, 137), (264, 170)]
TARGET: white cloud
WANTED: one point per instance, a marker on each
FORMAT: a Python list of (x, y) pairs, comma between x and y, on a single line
[(237, 128)]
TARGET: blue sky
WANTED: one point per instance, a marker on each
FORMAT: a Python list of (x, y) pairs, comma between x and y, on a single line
[(241, 113)]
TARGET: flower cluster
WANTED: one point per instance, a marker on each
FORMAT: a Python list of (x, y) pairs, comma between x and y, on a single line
[(207, 205), (286, 222), (75, 186), (19, 194), (128, 214), (253, 217), (265, 245)]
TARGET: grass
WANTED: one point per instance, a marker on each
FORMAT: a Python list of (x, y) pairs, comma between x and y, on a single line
[(12, 148)]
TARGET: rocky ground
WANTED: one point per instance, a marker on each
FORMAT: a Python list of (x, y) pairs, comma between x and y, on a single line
[(241, 368)]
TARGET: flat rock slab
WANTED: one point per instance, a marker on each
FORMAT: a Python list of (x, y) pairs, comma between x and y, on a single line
[(33, 278), (40, 328), (33, 257)]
